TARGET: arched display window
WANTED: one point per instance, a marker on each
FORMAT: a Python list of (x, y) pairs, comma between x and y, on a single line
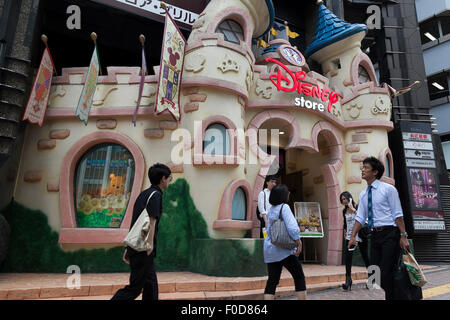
[(103, 179)]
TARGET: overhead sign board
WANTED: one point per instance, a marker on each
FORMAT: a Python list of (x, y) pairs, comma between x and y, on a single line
[(185, 13)]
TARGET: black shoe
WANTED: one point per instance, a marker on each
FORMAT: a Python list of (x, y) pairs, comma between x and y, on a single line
[(347, 286)]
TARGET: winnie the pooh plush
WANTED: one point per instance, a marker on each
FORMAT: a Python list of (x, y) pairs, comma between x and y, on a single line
[(116, 185)]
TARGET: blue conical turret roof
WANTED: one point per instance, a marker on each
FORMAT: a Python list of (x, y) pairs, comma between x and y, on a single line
[(330, 29)]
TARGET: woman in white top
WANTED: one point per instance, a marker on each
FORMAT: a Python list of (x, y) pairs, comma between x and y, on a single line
[(263, 201), (349, 212)]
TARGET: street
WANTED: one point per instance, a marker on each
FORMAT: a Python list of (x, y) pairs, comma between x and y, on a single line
[(437, 288)]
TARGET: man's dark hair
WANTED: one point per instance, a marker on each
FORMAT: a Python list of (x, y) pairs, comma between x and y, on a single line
[(157, 171), (269, 178), (279, 194), (376, 165)]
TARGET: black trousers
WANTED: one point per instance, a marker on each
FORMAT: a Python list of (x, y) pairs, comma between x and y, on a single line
[(293, 265), (363, 248), (142, 277), (385, 251)]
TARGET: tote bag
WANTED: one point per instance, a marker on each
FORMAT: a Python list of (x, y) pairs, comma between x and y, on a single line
[(137, 237), (403, 288), (279, 235), (415, 273)]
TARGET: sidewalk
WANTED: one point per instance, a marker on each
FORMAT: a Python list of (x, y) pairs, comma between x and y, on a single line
[(172, 285)]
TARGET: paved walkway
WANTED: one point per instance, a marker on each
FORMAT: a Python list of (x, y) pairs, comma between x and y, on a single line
[(172, 285)]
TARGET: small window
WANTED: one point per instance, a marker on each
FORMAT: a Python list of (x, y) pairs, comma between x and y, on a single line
[(438, 86), (103, 180), (216, 140), (336, 64), (239, 205), (363, 75), (429, 31), (231, 30), (387, 166), (445, 25)]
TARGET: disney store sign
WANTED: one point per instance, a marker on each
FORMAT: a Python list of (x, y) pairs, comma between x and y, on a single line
[(290, 82)]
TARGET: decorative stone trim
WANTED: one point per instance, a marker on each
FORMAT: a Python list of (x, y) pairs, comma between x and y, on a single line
[(359, 157), (195, 63), (347, 83), (352, 148), (59, 134), (53, 186), (364, 130), (198, 97), (360, 138), (33, 176), (318, 180), (168, 125), (46, 144), (154, 133), (354, 179), (190, 90), (191, 107), (106, 124), (175, 168)]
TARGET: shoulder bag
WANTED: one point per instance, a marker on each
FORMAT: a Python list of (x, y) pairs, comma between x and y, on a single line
[(279, 235), (137, 237)]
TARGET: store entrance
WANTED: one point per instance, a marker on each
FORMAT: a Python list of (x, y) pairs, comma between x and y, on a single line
[(286, 169)]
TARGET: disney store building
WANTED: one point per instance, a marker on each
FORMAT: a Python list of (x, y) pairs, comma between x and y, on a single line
[(76, 184)]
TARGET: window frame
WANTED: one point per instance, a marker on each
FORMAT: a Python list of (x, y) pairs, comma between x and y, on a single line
[(69, 232), (230, 23)]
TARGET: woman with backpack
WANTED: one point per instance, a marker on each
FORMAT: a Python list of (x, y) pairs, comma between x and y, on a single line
[(278, 257)]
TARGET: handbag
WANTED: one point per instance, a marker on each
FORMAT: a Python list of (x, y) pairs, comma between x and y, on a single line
[(137, 237), (415, 273), (279, 235), (403, 288)]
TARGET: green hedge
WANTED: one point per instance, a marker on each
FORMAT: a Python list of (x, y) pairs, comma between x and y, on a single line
[(34, 245)]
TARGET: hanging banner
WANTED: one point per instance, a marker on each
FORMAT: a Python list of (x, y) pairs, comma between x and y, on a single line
[(171, 68), (141, 84), (87, 94), (37, 103)]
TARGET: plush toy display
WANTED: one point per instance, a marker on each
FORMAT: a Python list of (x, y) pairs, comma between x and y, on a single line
[(116, 185)]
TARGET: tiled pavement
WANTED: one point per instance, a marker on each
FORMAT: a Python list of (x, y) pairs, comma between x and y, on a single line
[(436, 276), (172, 285)]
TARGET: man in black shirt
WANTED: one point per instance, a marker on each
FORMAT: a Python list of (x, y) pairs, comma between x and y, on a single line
[(143, 275)]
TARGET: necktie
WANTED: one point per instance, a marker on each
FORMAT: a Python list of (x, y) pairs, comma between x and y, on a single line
[(369, 208)]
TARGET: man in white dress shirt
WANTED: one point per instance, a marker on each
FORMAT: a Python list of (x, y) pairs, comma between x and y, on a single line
[(263, 200), (379, 204)]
